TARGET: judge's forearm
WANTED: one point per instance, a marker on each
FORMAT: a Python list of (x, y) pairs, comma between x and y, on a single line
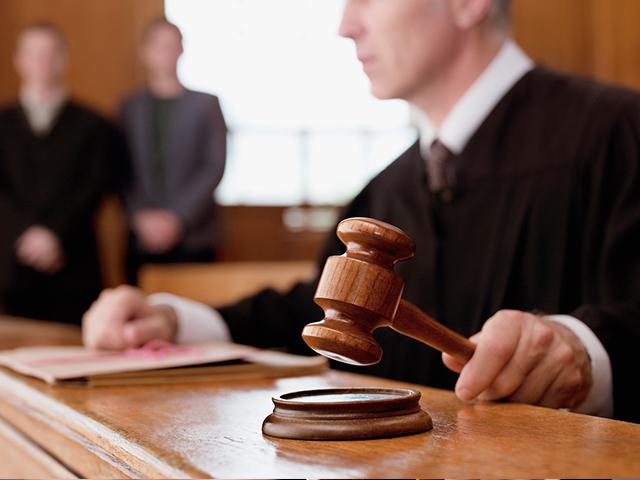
[(196, 322)]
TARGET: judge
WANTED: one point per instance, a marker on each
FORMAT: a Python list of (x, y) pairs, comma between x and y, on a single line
[(53, 156), (523, 197)]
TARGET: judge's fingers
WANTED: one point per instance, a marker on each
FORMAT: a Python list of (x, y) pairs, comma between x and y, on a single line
[(568, 390), (535, 385), (530, 363), (453, 364), (142, 330), (103, 323), (529, 386), (497, 342), (565, 374)]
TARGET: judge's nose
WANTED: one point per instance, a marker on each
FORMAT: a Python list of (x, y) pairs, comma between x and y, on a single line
[(351, 23)]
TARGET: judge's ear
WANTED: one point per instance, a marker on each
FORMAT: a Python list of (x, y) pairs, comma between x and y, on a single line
[(470, 13)]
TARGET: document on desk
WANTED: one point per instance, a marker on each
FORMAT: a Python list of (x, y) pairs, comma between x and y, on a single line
[(156, 362)]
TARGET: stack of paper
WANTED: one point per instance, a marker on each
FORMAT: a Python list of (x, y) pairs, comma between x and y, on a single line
[(156, 362)]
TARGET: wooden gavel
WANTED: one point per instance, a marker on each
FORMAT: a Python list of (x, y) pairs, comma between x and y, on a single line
[(359, 292)]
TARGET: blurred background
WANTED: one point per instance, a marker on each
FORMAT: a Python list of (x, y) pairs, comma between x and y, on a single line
[(303, 133)]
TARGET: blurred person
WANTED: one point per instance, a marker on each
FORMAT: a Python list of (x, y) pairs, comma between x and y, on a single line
[(177, 140), (523, 197), (53, 170)]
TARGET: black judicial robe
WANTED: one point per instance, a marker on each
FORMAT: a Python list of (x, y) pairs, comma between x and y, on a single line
[(55, 180), (545, 217)]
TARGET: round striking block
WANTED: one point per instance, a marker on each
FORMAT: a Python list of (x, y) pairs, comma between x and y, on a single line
[(347, 414)]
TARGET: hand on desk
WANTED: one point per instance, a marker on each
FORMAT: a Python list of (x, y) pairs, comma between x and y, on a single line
[(121, 318), (39, 248), (525, 358)]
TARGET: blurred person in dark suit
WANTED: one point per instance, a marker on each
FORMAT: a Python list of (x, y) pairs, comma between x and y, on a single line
[(177, 142), (53, 171)]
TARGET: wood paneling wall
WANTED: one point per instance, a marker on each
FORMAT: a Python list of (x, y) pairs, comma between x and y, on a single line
[(103, 39), (258, 233), (598, 38)]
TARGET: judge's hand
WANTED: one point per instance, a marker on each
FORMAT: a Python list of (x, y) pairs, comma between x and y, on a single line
[(40, 248), (525, 358), (158, 230), (121, 318)]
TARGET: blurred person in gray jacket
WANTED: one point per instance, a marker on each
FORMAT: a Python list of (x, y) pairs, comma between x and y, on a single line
[(177, 143)]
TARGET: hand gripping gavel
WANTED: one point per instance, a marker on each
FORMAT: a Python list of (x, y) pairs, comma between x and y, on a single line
[(359, 292)]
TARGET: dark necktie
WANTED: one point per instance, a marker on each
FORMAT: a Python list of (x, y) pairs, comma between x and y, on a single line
[(441, 171)]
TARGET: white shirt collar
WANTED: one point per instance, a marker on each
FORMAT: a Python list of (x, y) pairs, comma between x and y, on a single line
[(504, 71), (42, 111)]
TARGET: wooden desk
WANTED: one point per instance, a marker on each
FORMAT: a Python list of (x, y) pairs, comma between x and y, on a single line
[(213, 429), (222, 283)]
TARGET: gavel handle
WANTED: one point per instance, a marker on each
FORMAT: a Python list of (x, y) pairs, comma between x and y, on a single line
[(413, 322)]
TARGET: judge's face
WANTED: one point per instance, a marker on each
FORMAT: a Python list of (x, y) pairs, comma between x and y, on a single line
[(161, 49), (40, 58), (402, 44)]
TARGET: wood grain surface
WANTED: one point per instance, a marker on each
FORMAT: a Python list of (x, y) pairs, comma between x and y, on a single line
[(213, 429), (21, 332), (22, 458)]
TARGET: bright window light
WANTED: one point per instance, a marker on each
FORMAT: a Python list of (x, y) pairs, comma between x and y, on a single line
[(304, 128)]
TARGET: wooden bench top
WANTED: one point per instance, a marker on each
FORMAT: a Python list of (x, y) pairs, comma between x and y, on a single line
[(214, 429)]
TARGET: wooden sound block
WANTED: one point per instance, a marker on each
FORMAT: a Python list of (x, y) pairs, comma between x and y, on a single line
[(347, 414)]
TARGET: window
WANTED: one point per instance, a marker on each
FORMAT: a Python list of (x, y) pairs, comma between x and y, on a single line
[(304, 128)]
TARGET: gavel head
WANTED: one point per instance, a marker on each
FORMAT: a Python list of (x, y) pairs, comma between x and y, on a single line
[(359, 291)]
